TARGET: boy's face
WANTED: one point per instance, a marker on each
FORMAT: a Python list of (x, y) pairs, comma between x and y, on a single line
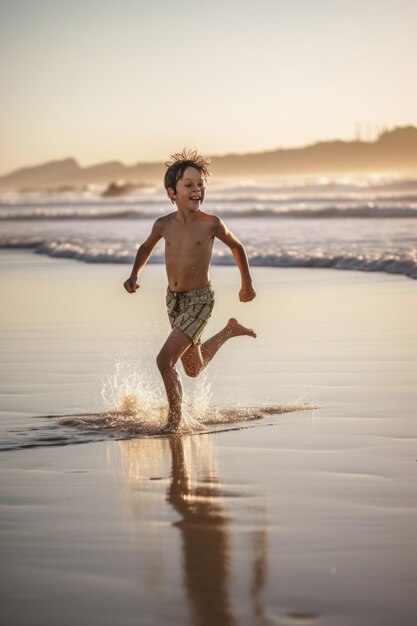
[(190, 190)]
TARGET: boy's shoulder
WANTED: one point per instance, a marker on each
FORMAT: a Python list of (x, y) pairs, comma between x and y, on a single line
[(209, 222), (164, 220), (214, 222), (207, 217)]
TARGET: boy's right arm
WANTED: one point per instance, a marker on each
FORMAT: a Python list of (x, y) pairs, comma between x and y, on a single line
[(142, 255)]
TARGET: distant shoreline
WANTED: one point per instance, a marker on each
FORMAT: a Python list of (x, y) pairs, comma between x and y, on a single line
[(394, 151)]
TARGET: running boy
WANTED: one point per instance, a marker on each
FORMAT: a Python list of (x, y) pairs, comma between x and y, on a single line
[(189, 234)]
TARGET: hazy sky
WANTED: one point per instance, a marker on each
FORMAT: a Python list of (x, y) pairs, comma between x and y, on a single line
[(135, 80)]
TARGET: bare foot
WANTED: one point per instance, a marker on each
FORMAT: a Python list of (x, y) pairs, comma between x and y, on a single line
[(173, 423), (235, 329), (169, 429)]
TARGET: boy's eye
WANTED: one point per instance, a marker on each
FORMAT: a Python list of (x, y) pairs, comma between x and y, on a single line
[(190, 185)]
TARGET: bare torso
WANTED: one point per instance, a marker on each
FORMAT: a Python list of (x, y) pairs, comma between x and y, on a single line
[(188, 249)]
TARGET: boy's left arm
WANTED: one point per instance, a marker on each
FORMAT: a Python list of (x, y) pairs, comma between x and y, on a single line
[(247, 291)]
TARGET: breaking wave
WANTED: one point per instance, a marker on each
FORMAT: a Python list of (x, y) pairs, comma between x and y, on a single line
[(356, 258), (362, 223)]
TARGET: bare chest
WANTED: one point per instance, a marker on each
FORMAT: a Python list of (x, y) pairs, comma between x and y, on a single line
[(188, 240)]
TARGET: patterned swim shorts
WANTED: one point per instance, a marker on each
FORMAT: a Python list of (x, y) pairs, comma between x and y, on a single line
[(189, 311)]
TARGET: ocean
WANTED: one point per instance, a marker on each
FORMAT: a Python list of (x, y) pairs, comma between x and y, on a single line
[(364, 223)]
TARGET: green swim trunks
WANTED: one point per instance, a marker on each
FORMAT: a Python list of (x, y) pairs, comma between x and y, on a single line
[(189, 311)]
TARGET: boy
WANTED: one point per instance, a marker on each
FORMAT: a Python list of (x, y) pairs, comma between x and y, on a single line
[(189, 234)]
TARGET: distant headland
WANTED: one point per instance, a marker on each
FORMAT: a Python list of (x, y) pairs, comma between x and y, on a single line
[(394, 151)]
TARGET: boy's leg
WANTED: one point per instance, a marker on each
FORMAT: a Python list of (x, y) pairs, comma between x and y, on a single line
[(196, 358), (174, 347)]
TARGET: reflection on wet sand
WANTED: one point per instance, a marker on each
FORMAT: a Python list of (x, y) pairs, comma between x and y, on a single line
[(205, 536), (210, 511)]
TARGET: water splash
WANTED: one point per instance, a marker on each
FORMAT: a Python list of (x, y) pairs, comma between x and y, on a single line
[(137, 407)]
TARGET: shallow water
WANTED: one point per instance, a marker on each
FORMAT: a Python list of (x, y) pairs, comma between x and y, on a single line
[(137, 417)]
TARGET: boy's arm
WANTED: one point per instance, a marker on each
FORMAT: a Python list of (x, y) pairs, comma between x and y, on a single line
[(142, 255), (247, 292)]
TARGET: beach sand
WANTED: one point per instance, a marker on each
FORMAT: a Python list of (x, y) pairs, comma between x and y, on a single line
[(304, 517)]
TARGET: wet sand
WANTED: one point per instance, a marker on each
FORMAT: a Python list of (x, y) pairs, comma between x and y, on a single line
[(298, 518)]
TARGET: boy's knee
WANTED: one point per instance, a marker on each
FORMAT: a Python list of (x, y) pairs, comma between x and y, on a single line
[(191, 364), (163, 362), (192, 371)]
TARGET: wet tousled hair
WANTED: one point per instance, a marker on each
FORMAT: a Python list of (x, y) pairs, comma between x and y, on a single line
[(179, 163)]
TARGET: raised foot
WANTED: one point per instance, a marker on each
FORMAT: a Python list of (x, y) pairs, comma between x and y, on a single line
[(235, 329)]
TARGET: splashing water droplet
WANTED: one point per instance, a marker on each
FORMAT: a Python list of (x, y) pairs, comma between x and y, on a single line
[(137, 406)]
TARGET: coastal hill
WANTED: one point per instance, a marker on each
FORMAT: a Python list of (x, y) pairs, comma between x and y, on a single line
[(394, 151)]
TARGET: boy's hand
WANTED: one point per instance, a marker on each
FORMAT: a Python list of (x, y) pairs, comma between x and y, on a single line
[(247, 292), (131, 284)]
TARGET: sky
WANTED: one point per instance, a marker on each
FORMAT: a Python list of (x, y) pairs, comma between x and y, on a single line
[(134, 80)]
